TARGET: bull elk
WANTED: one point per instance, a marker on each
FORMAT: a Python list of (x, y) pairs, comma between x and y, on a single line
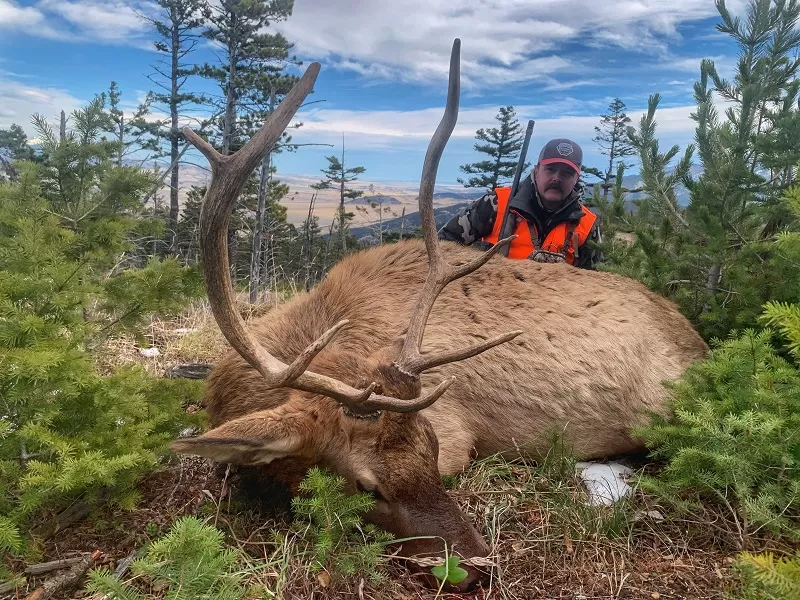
[(341, 377)]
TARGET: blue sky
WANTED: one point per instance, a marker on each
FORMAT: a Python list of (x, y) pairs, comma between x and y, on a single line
[(384, 68)]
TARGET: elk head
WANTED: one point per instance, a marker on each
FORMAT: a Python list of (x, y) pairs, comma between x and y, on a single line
[(357, 415)]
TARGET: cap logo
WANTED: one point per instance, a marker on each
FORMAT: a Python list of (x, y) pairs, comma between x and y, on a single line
[(564, 149)]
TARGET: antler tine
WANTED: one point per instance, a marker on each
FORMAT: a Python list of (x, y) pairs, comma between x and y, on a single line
[(440, 273)]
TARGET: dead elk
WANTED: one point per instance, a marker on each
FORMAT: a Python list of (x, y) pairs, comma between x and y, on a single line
[(341, 376)]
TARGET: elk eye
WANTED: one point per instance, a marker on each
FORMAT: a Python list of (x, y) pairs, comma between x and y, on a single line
[(363, 488)]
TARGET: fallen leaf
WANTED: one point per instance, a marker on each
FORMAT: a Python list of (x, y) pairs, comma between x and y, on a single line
[(568, 543), (324, 579)]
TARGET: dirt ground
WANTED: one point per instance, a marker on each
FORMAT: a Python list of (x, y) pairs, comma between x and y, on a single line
[(537, 557)]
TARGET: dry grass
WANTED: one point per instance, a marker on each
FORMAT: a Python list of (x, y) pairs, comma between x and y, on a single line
[(545, 539), (193, 337)]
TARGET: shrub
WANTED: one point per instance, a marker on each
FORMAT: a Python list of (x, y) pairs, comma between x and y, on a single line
[(734, 436)]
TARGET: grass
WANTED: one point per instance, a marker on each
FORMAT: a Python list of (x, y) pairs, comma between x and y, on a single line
[(545, 539)]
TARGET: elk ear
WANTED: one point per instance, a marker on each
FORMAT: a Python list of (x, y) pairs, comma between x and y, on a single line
[(255, 439)]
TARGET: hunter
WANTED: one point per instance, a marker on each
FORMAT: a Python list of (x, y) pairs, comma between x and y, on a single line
[(547, 213)]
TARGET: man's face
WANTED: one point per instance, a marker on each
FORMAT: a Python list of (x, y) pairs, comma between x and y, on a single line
[(554, 183)]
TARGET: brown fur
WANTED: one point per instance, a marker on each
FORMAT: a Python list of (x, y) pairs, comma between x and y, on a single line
[(594, 354), (591, 362)]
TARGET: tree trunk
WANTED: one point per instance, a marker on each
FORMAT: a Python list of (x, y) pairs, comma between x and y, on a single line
[(172, 224), (62, 129), (714, 278), (230, 104), (308, 242), (255, 254), (606, 184), (228, 128), (341, 222), (121, 139)]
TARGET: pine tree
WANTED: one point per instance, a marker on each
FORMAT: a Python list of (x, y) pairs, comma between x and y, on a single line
[(713, 256), (338, 175), (237, 26), (503, 146), (612, 138), (191, 561), (78, 176), (131, 135), (177, 24), (251, 59), (13, 147), (333, 522), (732, 440), (767, 577), (67, 433)]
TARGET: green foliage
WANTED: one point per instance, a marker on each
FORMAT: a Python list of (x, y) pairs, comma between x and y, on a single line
[(251, 67), (14, 143), (332, 521), (765, 577), (734, 436), (337, 177), (502, 145), (190, 562), (66, 432), (13, 147), (450, 571), (786, 318), (611, 137), (716, 256)]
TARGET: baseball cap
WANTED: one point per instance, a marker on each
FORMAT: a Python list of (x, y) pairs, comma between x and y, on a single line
[(562, 150)]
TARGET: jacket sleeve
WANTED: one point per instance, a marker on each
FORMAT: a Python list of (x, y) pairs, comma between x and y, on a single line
[(473, 222), (590, 253)]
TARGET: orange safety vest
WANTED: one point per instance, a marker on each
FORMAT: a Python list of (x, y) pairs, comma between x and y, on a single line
[(564, 238)]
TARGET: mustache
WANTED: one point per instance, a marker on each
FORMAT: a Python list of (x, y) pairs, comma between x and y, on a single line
[(553, 186)]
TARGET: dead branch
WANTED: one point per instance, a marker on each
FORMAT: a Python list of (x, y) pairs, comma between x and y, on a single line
[(53, 565), (67, 580)]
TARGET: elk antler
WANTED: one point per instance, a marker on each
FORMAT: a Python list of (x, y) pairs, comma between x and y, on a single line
[(228, 177), (440, 273)]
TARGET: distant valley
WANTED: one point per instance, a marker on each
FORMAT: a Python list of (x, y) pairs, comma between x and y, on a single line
[(447, 200)]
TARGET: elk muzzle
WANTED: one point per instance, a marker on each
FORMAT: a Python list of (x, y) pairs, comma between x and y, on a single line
[(431, 526)]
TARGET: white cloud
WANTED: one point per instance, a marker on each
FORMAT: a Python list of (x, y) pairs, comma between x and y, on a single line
[(411, 39), (26, 19), (113, 21), (18, 102), (12, 15), (411, 130), (108, 21)]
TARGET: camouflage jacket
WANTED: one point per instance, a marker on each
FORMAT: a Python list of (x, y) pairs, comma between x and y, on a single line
[(476, 221)]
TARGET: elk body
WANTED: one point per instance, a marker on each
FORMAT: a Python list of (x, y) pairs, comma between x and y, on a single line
[(343, 377)]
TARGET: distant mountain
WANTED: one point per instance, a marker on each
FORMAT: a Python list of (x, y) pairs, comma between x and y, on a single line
[(633, 182), (469, 195), (380, 199), (445, 213), (411, 221)]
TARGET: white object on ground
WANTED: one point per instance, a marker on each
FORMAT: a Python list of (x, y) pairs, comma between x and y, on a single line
[(149, 352), (605, 482)]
